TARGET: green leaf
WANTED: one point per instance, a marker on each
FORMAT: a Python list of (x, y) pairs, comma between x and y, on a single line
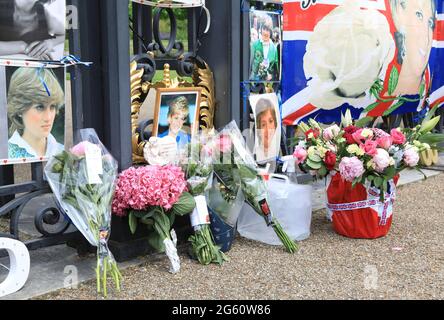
[(370, 178), (156, 242), (372, 106), (184, 205), (378, 182), (323, 171), (390, 172), (361, 123), (431, 138), (162, 223), (132, 222), (422, 89), (393, 108), (393, 81)]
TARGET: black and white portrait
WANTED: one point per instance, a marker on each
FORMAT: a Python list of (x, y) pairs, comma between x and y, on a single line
[(32, 29)]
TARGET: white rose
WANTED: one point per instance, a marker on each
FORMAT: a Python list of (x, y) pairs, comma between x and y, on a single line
[(348, 51)]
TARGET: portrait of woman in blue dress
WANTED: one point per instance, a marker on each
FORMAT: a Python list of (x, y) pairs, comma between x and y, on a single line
[(178, 114)]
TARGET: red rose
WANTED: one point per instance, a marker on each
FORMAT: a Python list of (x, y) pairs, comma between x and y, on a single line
[(330, 160), (348, 135), (315, 132)]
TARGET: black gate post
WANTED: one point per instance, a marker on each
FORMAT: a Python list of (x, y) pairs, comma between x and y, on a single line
[(116, 79)]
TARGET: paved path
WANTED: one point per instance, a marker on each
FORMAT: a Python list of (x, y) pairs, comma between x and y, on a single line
[(57, 267)]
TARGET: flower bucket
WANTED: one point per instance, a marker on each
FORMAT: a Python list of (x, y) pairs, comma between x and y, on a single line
[(358, 212), (223, 233)]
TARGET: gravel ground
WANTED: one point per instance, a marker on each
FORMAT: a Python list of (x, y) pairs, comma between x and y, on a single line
[(407, 264)]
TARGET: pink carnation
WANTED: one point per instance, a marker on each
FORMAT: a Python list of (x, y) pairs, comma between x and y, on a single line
[(79, 150), (144, 187), (300, 154), (369, 147), (331, 132), (385, 142), (224, 143), (381, 160), (411, 157), (351, 168)]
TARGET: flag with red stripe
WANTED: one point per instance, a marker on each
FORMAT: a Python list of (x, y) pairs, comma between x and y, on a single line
[(373, 57)]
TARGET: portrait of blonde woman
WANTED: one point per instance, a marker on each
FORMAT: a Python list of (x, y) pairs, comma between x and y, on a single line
[(415, 23), (34, 99), (32, 29)]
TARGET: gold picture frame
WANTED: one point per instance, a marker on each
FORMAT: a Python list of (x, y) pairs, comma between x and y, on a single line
[(202, 78), (188, 98)]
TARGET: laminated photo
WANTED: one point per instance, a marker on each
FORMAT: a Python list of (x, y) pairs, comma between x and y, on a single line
[(265, 46), (268, 126), (32, 29), (32, 114)]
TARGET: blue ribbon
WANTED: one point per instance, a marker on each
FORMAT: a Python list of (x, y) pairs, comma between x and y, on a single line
[(39, 74), (73, 60)]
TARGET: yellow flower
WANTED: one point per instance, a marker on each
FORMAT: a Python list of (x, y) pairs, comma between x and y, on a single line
[(311, 151), (354, 149), (371, 165), (322, 151), (366, 133)]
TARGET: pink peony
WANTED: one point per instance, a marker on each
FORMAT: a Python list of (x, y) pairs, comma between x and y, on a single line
[(351, 168), (369, 147), (411, 157), (300, 154), (398, 136), (148, 186), (381, 160), (385, 142), (79, 150)]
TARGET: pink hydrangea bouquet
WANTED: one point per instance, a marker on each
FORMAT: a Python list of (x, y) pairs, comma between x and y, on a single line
[(154, 195)]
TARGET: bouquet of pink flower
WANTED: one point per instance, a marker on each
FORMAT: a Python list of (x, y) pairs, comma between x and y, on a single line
[(154, 195), (363, 155), (83, 181)]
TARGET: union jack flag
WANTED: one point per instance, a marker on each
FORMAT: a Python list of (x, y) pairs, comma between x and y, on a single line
[(300, 19)]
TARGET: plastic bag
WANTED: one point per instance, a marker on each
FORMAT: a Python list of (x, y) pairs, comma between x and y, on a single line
[(292, 204)]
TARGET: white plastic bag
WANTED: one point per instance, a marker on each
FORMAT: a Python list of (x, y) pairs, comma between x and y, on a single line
[(292, 205)]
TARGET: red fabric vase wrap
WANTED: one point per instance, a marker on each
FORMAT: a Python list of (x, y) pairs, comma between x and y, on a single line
[(357, 212)]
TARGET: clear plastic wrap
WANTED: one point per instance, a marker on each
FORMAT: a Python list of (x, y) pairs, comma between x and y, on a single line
[(235, 163), (83, 181)]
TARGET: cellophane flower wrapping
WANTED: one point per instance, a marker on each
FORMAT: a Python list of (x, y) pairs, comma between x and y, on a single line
[(235, 167), (199, 173), (83, 181)]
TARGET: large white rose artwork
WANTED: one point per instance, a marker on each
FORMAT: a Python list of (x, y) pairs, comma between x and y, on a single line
[(349, 50)]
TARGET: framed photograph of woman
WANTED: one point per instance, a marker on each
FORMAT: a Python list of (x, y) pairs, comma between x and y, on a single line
[(32, 29), (32, 111), (268, 126), (265, 45), (177, 114)]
